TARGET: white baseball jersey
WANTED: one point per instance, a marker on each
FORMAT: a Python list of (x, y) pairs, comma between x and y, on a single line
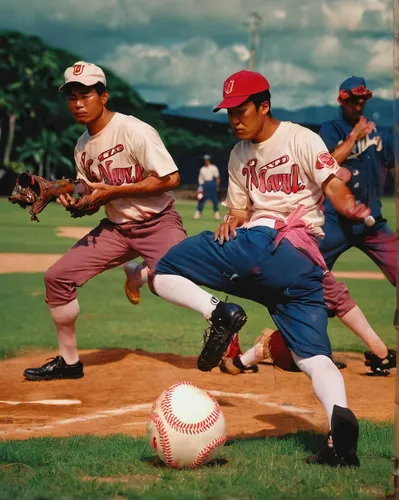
[(125, 151), (273, 177), (208, 173)]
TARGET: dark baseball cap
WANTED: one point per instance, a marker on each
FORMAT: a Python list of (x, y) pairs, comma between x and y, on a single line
[(239, 86)]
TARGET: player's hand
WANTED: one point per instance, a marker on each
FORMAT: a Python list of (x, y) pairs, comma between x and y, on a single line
[(356, 212), (65, 200), (362, 128), (226, 229), (102, 193)]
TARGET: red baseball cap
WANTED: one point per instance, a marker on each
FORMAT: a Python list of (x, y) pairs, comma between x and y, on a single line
[(239, 86)]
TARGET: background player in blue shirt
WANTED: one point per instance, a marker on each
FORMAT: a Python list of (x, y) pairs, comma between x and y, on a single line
[(367, 153)]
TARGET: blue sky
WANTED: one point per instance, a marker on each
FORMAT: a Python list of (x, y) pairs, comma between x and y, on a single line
[(180, 51)]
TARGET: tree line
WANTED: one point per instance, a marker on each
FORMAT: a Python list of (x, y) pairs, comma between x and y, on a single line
[(37, 132)]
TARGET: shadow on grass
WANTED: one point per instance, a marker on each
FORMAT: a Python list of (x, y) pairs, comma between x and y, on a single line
[(158, 464), (310, 440), (105, 356)]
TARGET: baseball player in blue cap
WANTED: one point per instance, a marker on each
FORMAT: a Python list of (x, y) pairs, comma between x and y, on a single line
[(367, 154), (208, 186)]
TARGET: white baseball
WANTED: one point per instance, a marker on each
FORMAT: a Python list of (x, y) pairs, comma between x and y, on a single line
[(369, 220), (186, 427)]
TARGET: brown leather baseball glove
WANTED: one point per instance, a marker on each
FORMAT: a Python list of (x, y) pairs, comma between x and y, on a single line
[(272, 344), (36, 192)]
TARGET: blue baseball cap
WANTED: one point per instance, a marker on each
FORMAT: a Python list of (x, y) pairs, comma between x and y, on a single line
[(354, 86)]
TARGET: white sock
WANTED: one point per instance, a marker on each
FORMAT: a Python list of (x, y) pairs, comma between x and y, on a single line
[(136, 274), (328, 383), (356, 321), (64, 318), (184, 293), (250, 357)]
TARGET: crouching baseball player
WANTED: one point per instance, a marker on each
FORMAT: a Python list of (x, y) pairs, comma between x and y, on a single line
[(277, 174)]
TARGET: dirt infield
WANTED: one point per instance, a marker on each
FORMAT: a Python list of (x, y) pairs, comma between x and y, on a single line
[(119, 386)]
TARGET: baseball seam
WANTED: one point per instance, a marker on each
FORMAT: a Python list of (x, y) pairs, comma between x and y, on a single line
[(164, 439), (176, 424), (205, 452)]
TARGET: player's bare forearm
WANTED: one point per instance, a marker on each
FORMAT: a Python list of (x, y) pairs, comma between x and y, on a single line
[(150, 186), (343, 200), (342, 151)]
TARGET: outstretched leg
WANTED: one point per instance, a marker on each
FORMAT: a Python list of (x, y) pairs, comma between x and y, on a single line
[(103, 248)]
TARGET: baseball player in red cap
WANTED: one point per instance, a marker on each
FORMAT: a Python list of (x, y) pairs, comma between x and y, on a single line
[(379, 242), (126, 163), (267, 250)]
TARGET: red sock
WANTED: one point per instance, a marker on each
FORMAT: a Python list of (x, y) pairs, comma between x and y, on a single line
[(234, 348)]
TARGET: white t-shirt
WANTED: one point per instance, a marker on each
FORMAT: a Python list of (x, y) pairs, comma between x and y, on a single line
[(208, 173), (125, 152), (273, 177)]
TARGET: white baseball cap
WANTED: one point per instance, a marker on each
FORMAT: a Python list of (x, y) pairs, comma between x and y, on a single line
[(84, 73)]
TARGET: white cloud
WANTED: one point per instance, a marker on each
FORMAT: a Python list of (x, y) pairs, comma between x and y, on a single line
[(383, 92), (180, 51), (381, 62), (190, 72)]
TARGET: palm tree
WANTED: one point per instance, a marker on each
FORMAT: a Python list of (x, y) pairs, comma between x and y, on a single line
[(47, 151), (26, 72)]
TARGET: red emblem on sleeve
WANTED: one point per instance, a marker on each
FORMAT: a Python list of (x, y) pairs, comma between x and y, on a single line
[(325, 160)]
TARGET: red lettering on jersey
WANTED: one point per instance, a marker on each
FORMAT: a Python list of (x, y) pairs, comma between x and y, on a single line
[(111, 152), (288, 182), (296, 184), (119, 176), (324, 160), (250, 172), (86, 168), (105, 172)]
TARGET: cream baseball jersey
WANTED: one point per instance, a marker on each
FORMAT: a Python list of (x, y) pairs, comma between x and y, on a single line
[(208, 173), (273, 177), (125, 152)]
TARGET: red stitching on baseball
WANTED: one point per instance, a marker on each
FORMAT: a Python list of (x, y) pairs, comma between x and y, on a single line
[(164, 440), (204, 454), (177, 424)]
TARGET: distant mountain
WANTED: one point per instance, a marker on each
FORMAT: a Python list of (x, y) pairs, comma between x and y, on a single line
[(378, 110)]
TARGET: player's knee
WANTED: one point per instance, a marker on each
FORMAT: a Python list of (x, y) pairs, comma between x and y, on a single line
[(59, 289), (337, 297)]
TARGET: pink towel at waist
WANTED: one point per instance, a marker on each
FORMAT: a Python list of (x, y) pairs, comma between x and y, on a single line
[(299, 234)]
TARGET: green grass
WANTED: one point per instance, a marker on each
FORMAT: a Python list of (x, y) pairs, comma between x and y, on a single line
[(22, 296), (108, 320), (252, 468), (259, 468)]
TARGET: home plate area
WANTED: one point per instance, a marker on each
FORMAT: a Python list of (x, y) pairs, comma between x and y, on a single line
[(120, 385)]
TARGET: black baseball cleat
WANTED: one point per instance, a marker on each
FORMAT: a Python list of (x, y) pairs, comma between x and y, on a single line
[(380, 366), (341, 447), (234, 366), (56, 368), (340, 364), (227, 319)]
